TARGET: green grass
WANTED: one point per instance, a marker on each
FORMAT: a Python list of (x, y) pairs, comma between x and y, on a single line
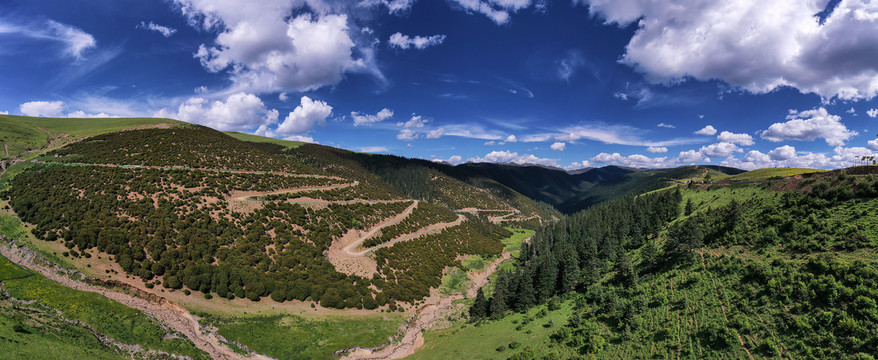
[(118, 321), (19, 137), (294, 337), (22, 133), (287, 144), (31, 332), (513, 243), (85, 127), (768, 173), (481, 340), (474, 263), (454, 282)]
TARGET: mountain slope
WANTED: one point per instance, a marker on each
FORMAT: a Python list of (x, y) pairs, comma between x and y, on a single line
[(640, 182)]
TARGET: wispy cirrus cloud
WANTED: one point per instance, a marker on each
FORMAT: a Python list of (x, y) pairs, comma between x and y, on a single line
[(73, 40)]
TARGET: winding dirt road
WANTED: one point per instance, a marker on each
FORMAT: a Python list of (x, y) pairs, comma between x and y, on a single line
[(427, 230), (434, 309), (168, 313)]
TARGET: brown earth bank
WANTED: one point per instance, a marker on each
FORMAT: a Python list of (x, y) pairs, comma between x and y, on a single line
[(166, 312)]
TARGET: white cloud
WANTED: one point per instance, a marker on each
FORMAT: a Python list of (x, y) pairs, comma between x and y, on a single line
[(708, 130), (721, 149), (401, 41), (663, 125), (366, 119), (417, 128), (635, 160), (785, 152), (755, 45), (453, 160), (239, 112), (873, 113), (43, 108), (393, 6), (283, 97), (497, 10), (740, 139), (787, 156), (558, 146), (514, 157), (576, 165), (265, 49), (657, 149), (690, 157), (490, 143), (809, 126), (164, 30), (304, 117), (75, 41), (872, 144), (201, 90), (609, 134), (4, 112), (621, 96), (511, 139), (851, 111), (374, 149)]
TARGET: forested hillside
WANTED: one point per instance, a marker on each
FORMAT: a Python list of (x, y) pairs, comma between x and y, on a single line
[(187, 207), (777, 268)]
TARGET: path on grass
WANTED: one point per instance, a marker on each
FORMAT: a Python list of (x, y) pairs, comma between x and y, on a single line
[(164, 311), (292, 191), (435, 309)]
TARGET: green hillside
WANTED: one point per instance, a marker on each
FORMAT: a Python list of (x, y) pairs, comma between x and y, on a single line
[(784, 268), (21, 134), (642, 182)]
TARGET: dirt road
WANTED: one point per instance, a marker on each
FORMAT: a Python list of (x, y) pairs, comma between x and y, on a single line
[(435, 309), (168, 313)]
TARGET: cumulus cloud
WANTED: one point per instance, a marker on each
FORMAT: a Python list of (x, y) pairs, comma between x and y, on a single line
[(4, 112), (304, 117), (264, 49), (740, 139), (873, 113), (809, 126), (43, 108), (657, 149), (578, 165), (785, 152), (453, 160), (663, 125), (496, 10), (164, 30), (73, 40), (515, 158), (511, 139), (754, 45), (708, 130), (872, 144), (558, 146), (366, 119), (401, 41), (635, 160), (721, 149), (239, 112), (787, 156)]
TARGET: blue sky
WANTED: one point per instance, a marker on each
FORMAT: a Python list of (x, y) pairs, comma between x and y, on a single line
[(644, 83)]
